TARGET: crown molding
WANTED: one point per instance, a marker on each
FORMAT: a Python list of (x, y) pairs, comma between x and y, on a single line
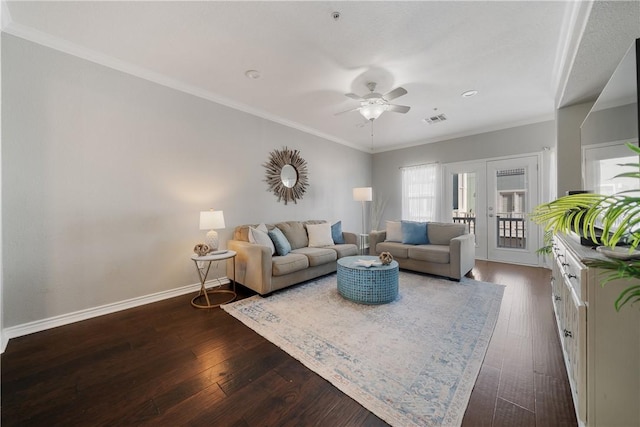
[(479, 131), (65, 46), (575, 21)]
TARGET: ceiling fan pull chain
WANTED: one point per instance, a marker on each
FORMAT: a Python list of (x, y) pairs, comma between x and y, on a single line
[(372, 134)]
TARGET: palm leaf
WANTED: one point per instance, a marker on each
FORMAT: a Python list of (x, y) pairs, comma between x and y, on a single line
[(614, 269), (618, 216)]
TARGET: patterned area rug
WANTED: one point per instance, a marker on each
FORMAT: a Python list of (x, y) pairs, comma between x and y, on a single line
[(412, 362)]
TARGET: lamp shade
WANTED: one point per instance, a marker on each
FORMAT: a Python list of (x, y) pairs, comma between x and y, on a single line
[(372, 111), (211, 220), (363, 194)]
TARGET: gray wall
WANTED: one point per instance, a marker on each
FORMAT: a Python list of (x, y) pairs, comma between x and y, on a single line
[(104, 175), (611, 124), (387, 180), (568, 121)]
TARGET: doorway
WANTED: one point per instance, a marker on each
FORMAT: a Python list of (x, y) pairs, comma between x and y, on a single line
[(493, 197)]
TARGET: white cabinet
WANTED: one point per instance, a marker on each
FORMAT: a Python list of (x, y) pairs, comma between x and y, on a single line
[(601, 346)]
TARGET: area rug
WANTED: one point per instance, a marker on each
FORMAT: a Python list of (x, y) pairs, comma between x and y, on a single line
[(412, 362)]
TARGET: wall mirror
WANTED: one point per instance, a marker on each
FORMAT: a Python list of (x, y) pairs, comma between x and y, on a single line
[(286, 175)]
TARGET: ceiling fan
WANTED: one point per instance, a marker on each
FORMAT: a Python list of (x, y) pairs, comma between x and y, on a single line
[(373, 104)]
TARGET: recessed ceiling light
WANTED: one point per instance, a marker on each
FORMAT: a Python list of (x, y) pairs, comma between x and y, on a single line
[(252, 74), (469, 93)]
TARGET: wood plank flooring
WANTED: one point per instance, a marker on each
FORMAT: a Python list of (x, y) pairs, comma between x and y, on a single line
[(170, 364)]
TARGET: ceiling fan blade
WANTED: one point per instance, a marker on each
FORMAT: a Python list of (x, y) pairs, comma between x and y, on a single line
[(398, 108), (397, 92), (353, 96), (347, 111)]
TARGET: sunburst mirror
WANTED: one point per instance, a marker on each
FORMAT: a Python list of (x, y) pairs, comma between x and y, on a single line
[(287, 175)]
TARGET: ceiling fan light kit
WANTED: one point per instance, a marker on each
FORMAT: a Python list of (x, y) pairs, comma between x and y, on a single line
[(372, 111), (373, 104)]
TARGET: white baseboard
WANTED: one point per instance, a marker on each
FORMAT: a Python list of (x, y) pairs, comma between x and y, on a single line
[(77, 316)]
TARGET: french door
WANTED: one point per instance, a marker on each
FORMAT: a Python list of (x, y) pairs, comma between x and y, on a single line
[(493, 197)]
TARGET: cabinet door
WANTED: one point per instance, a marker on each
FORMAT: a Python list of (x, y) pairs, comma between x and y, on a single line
[(574, 343)]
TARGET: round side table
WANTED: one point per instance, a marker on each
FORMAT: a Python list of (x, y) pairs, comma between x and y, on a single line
[(203, 265)]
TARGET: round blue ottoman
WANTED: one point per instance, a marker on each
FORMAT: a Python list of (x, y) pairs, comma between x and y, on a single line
[(377, 284)]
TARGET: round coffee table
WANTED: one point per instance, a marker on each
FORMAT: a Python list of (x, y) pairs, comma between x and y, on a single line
[(377, 284)]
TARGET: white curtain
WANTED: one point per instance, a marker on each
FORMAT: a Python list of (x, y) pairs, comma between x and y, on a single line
[(419, 192)]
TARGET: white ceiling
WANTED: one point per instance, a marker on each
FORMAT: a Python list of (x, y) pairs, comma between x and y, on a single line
[(525, 58)]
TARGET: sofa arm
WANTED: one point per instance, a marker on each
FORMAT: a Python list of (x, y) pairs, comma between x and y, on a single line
[(350, 238), (253, 265), (376, 237), (462, 250)]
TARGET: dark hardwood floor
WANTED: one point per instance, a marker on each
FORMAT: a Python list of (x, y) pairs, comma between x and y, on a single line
[(170, 364)]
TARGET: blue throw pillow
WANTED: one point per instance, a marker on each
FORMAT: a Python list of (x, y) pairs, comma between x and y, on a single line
[(336, 233), (414, 233), (279, 241)]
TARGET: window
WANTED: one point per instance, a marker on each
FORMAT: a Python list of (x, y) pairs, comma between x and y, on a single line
[(419, 192)]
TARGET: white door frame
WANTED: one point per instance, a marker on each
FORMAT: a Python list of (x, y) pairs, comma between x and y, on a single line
[(480, 168), (528, 254)]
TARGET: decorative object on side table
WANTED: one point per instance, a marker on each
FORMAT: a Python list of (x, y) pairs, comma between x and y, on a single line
[(212, 220), (386, 258), (287, 175), (203, 265), (201, 249)]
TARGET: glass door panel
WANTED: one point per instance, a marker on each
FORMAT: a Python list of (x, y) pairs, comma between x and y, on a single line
[(512, 187)]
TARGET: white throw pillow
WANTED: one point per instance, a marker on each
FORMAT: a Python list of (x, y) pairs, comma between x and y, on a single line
[(319, 235), (260, 236), (394, 231)]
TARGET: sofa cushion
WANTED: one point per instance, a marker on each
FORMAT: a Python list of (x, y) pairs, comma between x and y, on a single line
[(288, 264), (317, 256), (319, 235), (295, 233), (414, 233), (440, 233), (344, 250), (432, 253), (398, 250), (280, 242), (260, 235), (394, 231), (336, 233)]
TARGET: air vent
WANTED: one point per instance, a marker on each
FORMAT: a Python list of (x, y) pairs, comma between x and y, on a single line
[(435, 119)]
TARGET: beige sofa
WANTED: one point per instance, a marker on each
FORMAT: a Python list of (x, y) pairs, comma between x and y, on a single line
[(257, 269), (450, 251)]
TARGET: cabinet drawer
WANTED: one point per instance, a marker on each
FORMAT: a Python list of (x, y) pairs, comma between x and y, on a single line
[(572, 269)]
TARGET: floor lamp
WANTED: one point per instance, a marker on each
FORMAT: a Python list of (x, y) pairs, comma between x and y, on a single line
[(363, 194)]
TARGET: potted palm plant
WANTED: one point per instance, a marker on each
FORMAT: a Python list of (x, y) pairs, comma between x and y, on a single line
[(607, 220)]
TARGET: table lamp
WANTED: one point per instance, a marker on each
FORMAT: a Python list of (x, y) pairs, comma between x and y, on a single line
[(212, 220)]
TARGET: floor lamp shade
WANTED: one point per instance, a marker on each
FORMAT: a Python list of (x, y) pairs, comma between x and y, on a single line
[(363, 194), (212, 220)]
